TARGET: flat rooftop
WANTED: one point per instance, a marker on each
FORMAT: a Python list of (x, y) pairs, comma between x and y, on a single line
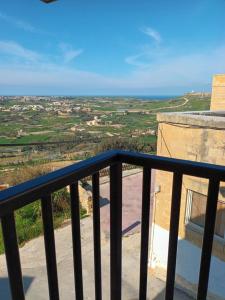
[(208, 119)]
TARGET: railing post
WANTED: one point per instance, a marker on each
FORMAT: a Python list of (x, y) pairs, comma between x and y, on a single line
[(50, 252), (210, 218), (116, 231), (97, 236), (76, 240), (146, 197), (12, 257), (173, 237)]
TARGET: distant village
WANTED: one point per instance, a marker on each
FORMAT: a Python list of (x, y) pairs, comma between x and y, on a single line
[(65, 106)]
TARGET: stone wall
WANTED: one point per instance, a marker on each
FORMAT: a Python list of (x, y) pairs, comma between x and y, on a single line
[(4, 186), (218, 93), (196, 143), (85, 199)]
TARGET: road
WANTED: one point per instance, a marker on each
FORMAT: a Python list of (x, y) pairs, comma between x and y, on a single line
[(186, 100)]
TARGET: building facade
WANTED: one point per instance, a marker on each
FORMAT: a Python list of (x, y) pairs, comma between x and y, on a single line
[(196, 136), (218, 92)]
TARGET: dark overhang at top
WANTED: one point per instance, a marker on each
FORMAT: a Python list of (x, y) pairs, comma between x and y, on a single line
[(48, 1)]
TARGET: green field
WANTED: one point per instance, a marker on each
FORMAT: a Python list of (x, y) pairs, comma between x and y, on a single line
[(42, 126), (29, 220), (131, 121), (124, 123)]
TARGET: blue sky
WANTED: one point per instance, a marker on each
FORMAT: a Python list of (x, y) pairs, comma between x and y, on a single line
[(132, 47)]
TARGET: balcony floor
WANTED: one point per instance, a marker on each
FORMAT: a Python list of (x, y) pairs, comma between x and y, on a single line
[(33, 256), (34, 271)]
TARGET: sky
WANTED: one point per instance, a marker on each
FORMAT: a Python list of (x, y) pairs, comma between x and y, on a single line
[(113, 47)]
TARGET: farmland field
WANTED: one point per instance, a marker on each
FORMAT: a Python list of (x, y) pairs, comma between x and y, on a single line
[(40, 135), (50, 129)]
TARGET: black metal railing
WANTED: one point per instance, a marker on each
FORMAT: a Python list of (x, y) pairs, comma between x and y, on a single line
[(42, 187)]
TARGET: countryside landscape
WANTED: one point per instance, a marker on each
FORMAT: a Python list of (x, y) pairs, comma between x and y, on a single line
[(41, 134), (112, 143), (47, 129)]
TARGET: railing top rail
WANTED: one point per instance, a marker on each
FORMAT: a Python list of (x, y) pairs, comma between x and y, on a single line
[(186, 167), (34, 189)]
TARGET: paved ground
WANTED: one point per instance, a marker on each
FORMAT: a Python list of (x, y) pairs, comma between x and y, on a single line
[(34, 271), (33, 257), (132, 198)]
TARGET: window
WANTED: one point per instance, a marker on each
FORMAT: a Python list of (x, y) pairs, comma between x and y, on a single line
[(195, 213)]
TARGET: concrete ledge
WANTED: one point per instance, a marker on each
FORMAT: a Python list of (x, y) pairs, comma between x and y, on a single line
[(207, 119)]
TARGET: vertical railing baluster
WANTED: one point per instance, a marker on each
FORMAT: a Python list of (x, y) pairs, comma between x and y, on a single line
[(46, 205), (210, 218), (97, 236), (76, 239), (116, 231), (173, 235), (144, 233), (12, 257)]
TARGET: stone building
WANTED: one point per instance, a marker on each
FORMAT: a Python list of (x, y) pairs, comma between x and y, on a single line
[(218, 93), (196, 136), (94, 122), (3, 186)]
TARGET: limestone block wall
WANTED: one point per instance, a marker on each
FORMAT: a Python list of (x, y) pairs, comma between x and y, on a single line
[(85, 199), (4, 186), (190, 143), (194, 143), (218, 93)]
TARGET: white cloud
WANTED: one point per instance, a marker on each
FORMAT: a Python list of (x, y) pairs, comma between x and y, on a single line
[(146, 57), (186, 71), (135, 60), (11, 48), (15, 51), (152, 33), (156, 68), (195, 69), (148, 53), (68, 52), (17, 22)]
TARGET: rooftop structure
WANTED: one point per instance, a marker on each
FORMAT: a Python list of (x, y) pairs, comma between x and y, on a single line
[(218, 92), (197, 136), (206, 119)]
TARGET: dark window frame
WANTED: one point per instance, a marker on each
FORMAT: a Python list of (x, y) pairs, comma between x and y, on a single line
[(193, 225)]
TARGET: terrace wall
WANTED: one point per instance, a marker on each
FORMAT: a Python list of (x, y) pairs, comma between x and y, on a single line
[(218, 93), (196, 143)]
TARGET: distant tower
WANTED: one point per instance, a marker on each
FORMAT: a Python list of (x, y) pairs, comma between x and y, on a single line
[(218, 93)]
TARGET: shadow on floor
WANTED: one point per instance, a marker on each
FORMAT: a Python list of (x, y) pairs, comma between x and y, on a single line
[(178, 295), (5, 289), (129, 228), (160, 296), (104, 201)]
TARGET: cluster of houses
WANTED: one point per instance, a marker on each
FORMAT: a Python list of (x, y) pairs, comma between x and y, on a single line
[(56, 106)]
